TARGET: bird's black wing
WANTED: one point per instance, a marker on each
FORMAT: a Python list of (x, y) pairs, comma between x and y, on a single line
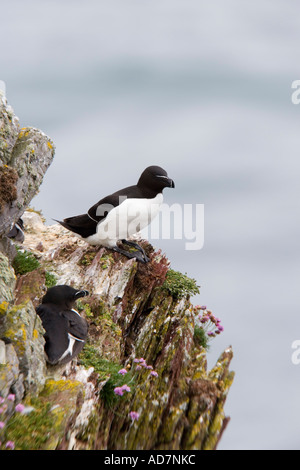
[(86, 224), (56, 336), (77, 326), (81, 224), (99, 211)]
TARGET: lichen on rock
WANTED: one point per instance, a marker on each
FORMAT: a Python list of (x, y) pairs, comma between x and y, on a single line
[(25, 155)]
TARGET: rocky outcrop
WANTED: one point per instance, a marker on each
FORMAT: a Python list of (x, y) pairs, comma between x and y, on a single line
[(25, 155), (141, 381)]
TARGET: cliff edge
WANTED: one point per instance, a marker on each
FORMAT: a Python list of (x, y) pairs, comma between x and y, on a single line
[(141, 381)]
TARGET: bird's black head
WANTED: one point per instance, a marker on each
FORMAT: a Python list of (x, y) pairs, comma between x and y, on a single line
[(156, 179), (64, 296)]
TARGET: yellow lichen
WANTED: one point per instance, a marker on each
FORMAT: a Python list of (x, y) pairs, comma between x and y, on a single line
[(3, 307), (35, 334)]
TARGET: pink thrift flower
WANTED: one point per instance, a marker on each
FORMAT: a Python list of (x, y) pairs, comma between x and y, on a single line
[(2, 424), (19, 408), (153, 373), (10, 445), (119, 391), (134, 415), (125, 388), (220, 328), (1, 400), (122, 371), (138, 367), (11, 397)]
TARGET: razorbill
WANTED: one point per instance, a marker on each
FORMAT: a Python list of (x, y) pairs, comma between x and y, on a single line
[(66, 331), (17, 232), (123, 213)]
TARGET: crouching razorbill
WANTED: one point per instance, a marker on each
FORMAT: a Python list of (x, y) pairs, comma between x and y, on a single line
[(66, 330), (17, 231), (123, 213)]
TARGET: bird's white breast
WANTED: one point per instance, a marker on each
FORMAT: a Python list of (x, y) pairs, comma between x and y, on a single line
[(125, 220)]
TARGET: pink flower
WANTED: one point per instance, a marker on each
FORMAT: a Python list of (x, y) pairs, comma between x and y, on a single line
[(19, 408), (134, 415), (122, 371), (220, 328), (10, 445), (1, 400), (125, 388), (11, 397), (153, 373), (204, 319), (2, 424), (119, 391), (138, 367)]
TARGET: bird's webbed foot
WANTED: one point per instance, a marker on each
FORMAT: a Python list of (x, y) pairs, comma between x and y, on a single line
[(139, 255)]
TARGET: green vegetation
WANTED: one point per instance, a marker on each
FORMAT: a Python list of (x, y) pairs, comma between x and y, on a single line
[(200, 337), (180, 285), (108, 371), (87, 258), (50, 280), (24, 262), (31, 431)]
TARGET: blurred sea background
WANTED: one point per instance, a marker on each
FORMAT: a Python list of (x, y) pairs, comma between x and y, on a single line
[(202, 89)]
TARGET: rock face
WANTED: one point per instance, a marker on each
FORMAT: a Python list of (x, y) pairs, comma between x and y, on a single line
[(141, 381), (25, 155)]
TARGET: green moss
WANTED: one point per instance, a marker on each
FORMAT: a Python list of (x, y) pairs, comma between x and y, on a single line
[(25, 262), (84, 307), (107, 371), (87, 259), (200, 337), (106, 260), (50, 279), (99, 312), (180, 285), (32, 431)]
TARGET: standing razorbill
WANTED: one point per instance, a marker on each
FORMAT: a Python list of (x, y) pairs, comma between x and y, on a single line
[(66, 331), (123, 213)]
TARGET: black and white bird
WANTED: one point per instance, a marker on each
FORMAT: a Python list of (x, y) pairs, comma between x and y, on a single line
[(123, 213), (66, 330), (17, 231)]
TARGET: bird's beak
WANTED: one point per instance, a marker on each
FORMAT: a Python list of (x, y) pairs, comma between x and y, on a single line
[(171, 183), (81, 293)]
